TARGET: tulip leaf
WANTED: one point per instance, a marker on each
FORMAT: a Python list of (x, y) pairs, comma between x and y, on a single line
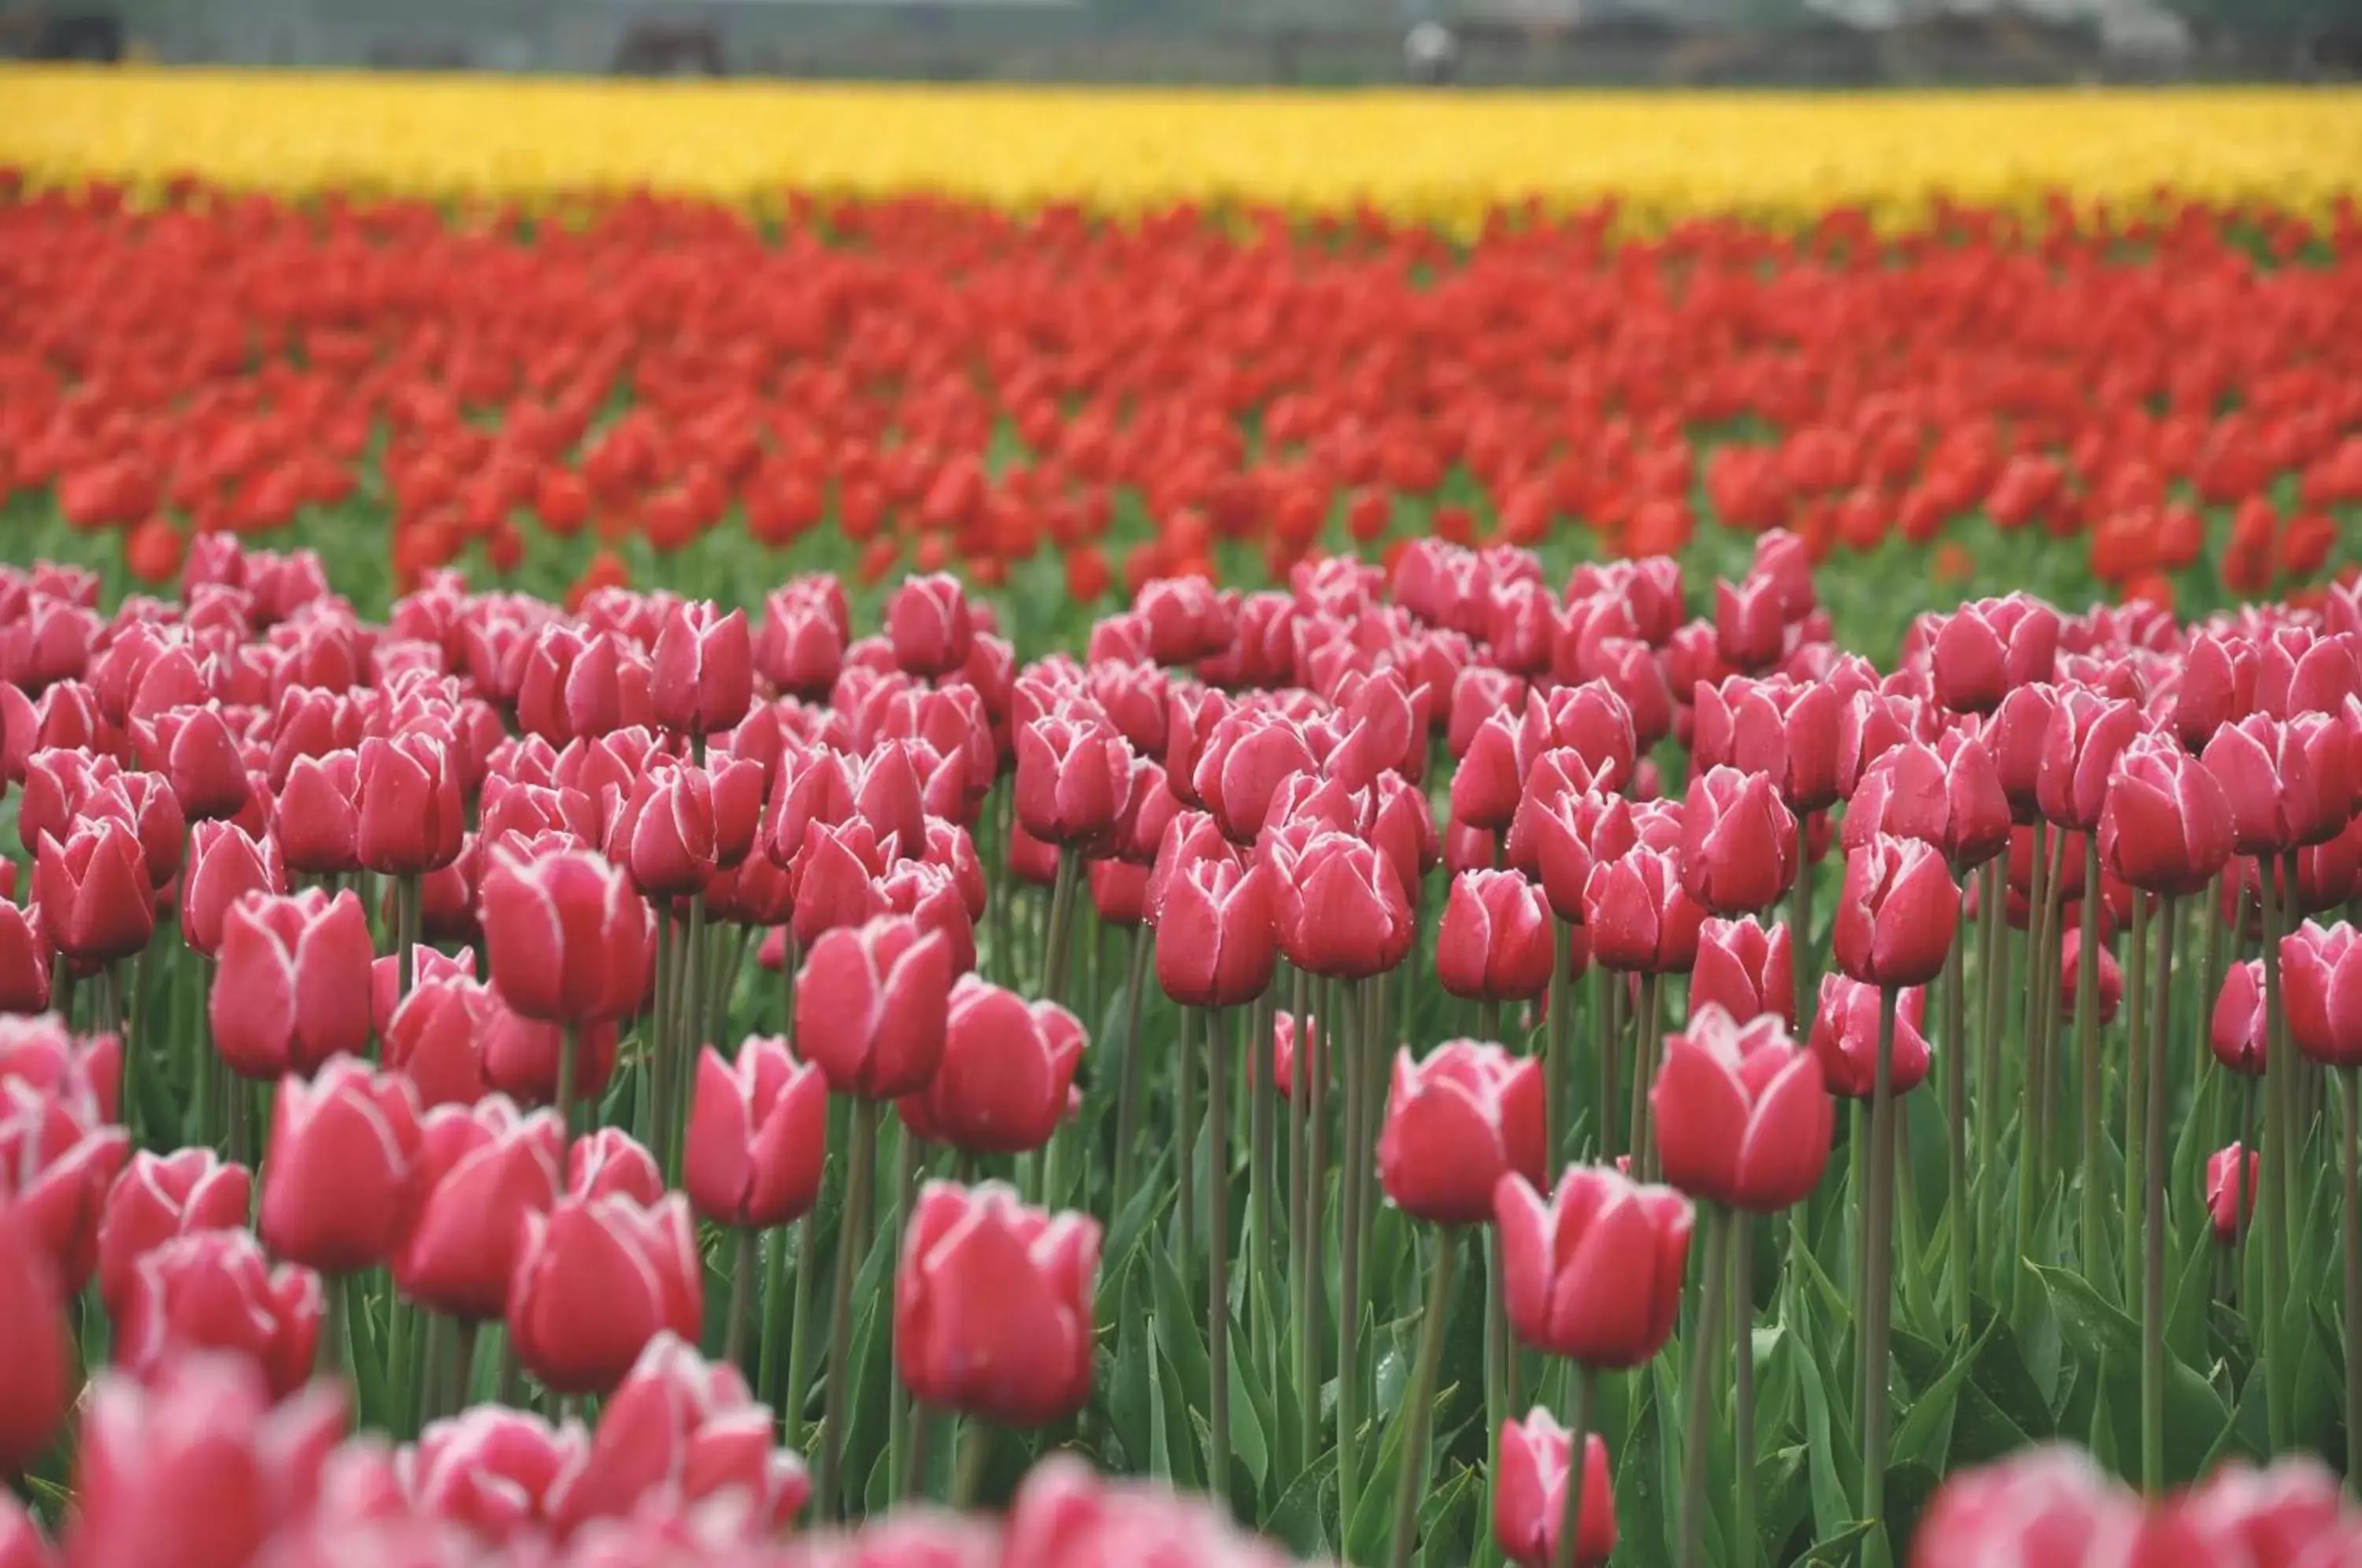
[(1642, 1508), (1838, 1547), (1250, 1417), (1299, 1519), (1132, 1224), (872, 1367), (1365, 1532), (1177, 1431), (1775, 1386), (1926, 1428), (1130, 1388), (1179, 1334), (2107, 1342), (1830, 1455), (2185, 1318), (1446, 1522), (1783, 1501)]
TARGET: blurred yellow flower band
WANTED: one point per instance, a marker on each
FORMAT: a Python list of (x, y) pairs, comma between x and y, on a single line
[(1434, 157)]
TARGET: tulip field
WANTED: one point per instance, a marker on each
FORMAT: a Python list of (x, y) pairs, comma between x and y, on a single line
[(797, 828)]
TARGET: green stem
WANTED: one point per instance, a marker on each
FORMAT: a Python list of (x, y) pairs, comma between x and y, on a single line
[(1992, 949), (897, 1397), (1126, 1104), (1956, 1131), (1578, 1442), (975, 1459), (2350, 1080), (1649, 1046), (464, 1338), (1742, 1346), (1556, 1066), (405, 933), (1218, 1255), (2153, 1238), (330, 1361), (1607, 1030), (1419, 1412), (861, 1173), (1705, 1346), (1802, 956), (2280, 1132), (914, 1474), (794, 1391), (1878, 1251), (1301, 1252), (1056, 941), (1184, 1141), (2087, 1043), (1262, 1180), (1349, 1294), (2135, 1102), (742, 1296)]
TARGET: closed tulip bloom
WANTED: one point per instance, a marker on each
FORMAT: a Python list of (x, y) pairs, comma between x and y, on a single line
[(1844, 1037), (610, 1161), (437, 1036), (25, 961), (835, 878), (1118, 892), (1594, 1272), (2230, 1193), (1529, 1494), (1008, 1069), (35, 1381), (2321, 987), (411, 815), (1216, 939), (873, 1006), (1639, 918), (664, 834), (1745, 970), (2111, 975), (95, 901), (1741, 1113), (992, 1306), (316, 820), (801, 644), (1455, 1124), (1248, 756), (596, 1279), (1074, 780), (1496, 940), (2016, 734), (214, 1290), (1343, 914), (703, 679), (1897, 914), (2217, 687), (482, 1169), (291, 987), (2167, 826), (1738, 841), (194, 748), (1490, 779), (930, 625), (2286, 782), (1947, 796), (158, 1198), (1773, 725), (2043, 1507), (1750, 622), (225, 864), (489, 1470), (2088, 732), (2239, 1030), (1991, 645), (758, 1135), (568, 936), (576, 683), (340, 1181)]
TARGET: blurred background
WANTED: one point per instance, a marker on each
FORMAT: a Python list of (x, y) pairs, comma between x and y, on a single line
[(1833, 43)]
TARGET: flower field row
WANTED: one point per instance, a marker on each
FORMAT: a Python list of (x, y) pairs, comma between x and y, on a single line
[(1438, 159)]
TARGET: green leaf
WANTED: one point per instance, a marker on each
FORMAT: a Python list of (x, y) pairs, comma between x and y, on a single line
[(1837, 1548), (1250, 1416), (1365, 1532), (1926, 1430), (1130, 1389), (1448, 1520), (1299, 1519), (2195, 1417)]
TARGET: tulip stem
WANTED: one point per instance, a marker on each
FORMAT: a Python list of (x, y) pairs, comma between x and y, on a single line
[(2350, 1082), (1992, 963), (897, 1397), (1349, 1055), (2279, 1135), (742, 1295), (852, 1224), (1578, 1469), (1955, 1134), (2240, 1230), (1705, 1344), (1742, 1347), (975, 1459), (2087, 1045), (1127, 1102), (1648, 1047), (462, 1388), (1554, 1039), (2135, 1102), (1608, 1031), (1185, 1142), (1057, 940), (1801, 951), (1218, 1260), (1303, 1069), (2154, 1177), (330, 1359), (569, 1042), (1878, 1254), (405, 933), (1262, 1180), (1419, 1412), (793, 1391)]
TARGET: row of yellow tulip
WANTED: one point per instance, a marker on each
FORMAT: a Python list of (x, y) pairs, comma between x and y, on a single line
[(1442, 158)]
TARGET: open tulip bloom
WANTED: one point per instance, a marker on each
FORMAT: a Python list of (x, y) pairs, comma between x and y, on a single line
[(1003, 850)]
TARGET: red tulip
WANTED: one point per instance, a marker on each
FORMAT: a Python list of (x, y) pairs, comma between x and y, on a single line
[(203, 1469), (2017, 735), (213, 1290), (1564, 821), (410, 816), (34, 1377), (1639, 918), (992, 1306), (664, 833), (316, 823), (1593, 1273), (2230, 1194), (1947, 796), (341, 1179), (21, 1542), (2321, 987), (801, 646), (703, 679), (1491, 778), (610, 1161), (597, 1279), (95, 900), (1455, 1124), (1529, 1494), (2238, 1029), (482, 1169), (1342, 911), (2043, 1507), (437, 1036), (1074, 780), (2217, 687), (1897, 914), (1844, 1037), (758, 1135), (2087, 733), (930, 625), (568, 937), (194, 748), (292, 985), (1741, 1113), (1988, 646), (1008, 1069), (1738, 841), (1744, 969), (872, 1005), (1777, 726), (1215, 937), (2167, 825), (2287, 783), (158, 1198), (225, 864), (25, 961), (1497, 940), (1248, 756), (490, 1471), (1750, 622), (576, 683), (2110, 973)]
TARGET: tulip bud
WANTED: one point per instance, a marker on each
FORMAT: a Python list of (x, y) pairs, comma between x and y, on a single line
[(1750, 622), (663, 835), (1897, 914), (1343, 912), (2320, 989), (34, 1386), (580, 684), (340, 1182), (2238, 1031), (1594, 1272), (1007, 1072), (213, 1290), (757, 1136), (1741, 1113), (801, 646), (2231, 1190), (930, 625), (568, 937), (2110, 975), (1530, 1495), (2087, 733), (1738, 841), (2166, 827), (194, 748), (96, 903), (1844, 1037), (1028, 1361), (411, 815), (872, 1005), (2285, 783), (1455, 1124), (1074, 780), (1947, 796), (1746, 970), (1248, 756), (703, 679), (225, 864), (1990, 647), (291, 987), (597, 1279), (25, 961), (158, 1198), (1215, 933), (482, 1169), (1496, 940), (1639, 917)]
